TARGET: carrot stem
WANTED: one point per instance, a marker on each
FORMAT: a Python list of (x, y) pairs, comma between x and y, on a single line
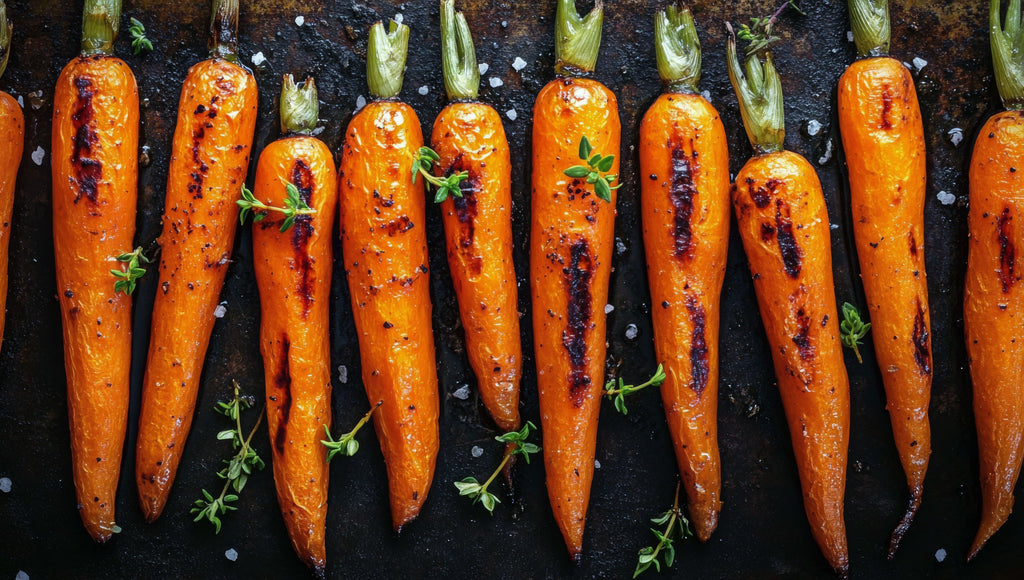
[(6, 30), (1008, 54), (677, 49), (385, 61), (869, 20), (299, 106), (759, 91), (577, 40), (458, 56), (224, 30), (100, 20)]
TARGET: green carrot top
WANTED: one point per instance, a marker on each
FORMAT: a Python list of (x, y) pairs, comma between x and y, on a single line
[(299, 106), (577, 40), (869, 20), (458, 56), (759, 91), (677, 49), (6, 29), (385, 61), (100, 20), (1008, 54), (224, 30)]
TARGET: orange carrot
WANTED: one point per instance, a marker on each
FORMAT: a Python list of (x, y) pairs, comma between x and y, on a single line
[(12, 134), (783, 222), (209, 160), (686, 235), (95, 173), (994, 292), (571, 240), (383, 229)]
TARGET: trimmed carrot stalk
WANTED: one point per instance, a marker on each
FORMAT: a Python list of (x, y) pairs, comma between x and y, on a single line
[(883, 138), (293, 264), (95, 144), (468, 136), (384, 238), (571, 238), (209, 161), (12, 133), (685, 195), (994, 291), (783, 222)]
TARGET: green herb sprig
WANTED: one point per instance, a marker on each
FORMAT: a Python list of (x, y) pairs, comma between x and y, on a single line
[(293, 206), (517, 445), (425, 160), (139, 41), (649, 556), (623, 390), (128, 278), (596, 170), (852, 329), (239, 467), (346, 444), (759, 32)]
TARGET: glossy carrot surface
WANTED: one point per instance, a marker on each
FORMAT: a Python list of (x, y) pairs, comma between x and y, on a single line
[(12, 132)]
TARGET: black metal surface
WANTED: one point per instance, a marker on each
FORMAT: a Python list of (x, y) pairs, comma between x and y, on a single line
[(763, 531)]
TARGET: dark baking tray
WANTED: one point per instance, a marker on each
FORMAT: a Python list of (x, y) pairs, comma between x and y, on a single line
[(763, 531)]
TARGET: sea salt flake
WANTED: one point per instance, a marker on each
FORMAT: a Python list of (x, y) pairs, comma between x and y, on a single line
[(849, 36), (342, 374), (919, 63), (620, 247), (482, 67), (258, 58), (360, 102), (519, 64), (231, 554), (21, 575), (512, 114), (956, 136), (423, 90), (300, 20), (827, 155), (608, 308), (220, 310), (38, 155), (495, 82), (940, 554), (946, 198), (462, 393), (597, 464), (476, 451), (631, 332), (706, 95), (5, 484), (399, 18), (813, 127)]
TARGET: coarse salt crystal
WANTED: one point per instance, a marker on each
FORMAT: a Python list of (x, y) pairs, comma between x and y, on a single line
[(597, 464), (920, 63), (300, 20), (5, 484), (21, 575), (38, 155), (220, 310), (956, 135), (519, 64), (476, 451), (21, 101), (342, 374), (608, 308), (482, 67), (827, 155), (258, 58), (495, 82), (940, 554), (706, 95), (423, 90), (512, 114), (631, 332), (946, 198), (399, 18), (620, 247), (813, 127), (360, 102), (849, 36), (462, 393), (231, 554)]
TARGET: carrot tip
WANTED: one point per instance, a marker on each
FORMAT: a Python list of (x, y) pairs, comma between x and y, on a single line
[(318, 570), (904, 525), (577, 556)]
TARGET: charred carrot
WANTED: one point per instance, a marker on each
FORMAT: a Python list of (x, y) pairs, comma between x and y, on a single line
[(292, 259), (383, 236), (468, 136), (994, 293), (95, 175), (783, 222), (12, 133), (883, 139), (685, 198), (571, 240), (209, 160)]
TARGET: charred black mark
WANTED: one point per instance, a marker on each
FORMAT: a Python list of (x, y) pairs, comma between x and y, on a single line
[(574, 339), (767, 231), (466, 212), (681, 192), (886, 108), (802, 340), (88, 171), (302, 179), (398, 226), (922, 348), (792, 255), (1007, 251), (699, 365), (913, 245), (283, 381)]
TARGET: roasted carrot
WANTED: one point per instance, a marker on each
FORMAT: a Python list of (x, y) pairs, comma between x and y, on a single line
[(209, 160), (12, 134), (571, 240), (384, 239), (685, 197), (883, 139), (783, 222), (292, 260), (95, 175), (468, 136), (994, 293)]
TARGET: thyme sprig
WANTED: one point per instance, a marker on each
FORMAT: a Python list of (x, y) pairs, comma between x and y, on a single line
[(239, 467), (346, 444), (852, 329), (517, 445), (596, 170), (648, 556), (619, 394), (759, 32), (425, 160), (127, 279), (293, 206), (139, 41)]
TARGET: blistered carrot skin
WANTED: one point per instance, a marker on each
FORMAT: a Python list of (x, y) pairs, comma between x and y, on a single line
[(468, 136), (12, 134), (783, 222), (685, 203), (209, 160), (293, 274), (883, 140), (571, 240), (383, 229), (95, 170), (994, 289)]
